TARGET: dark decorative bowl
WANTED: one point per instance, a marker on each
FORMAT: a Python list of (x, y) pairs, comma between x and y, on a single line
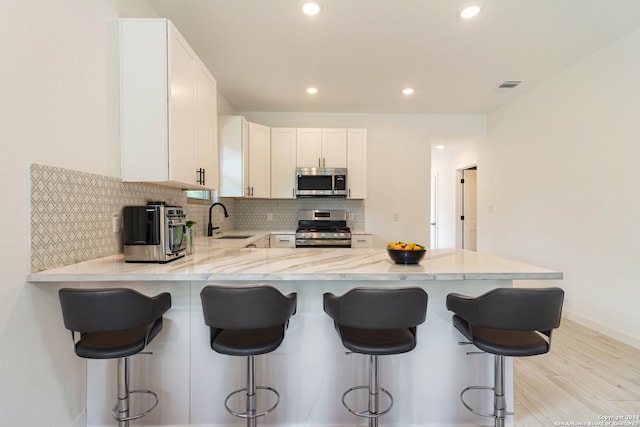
[(406, 257)]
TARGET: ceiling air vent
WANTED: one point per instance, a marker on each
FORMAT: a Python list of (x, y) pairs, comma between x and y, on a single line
[(509, 84)]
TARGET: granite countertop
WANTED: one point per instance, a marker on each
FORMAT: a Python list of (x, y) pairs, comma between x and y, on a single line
[(229, 260)]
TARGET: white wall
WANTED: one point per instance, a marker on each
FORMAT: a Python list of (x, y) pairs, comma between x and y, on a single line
[(559, 167), (399, 158), (59, 107), (444, 164)]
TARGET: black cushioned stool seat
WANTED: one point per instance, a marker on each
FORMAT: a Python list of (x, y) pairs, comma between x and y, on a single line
[(515, 322), (247, 321), (376, 322), (114, 323)]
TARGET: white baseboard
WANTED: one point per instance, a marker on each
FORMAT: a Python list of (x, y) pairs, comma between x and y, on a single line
[(604, 329)]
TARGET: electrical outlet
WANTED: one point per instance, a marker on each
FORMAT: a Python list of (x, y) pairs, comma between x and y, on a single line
[(270, 216), (396, 217)]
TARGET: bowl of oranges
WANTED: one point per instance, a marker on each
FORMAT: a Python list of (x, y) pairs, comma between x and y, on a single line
[(406, 253)]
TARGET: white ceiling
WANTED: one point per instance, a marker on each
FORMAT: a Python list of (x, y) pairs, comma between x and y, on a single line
[(360, 54)]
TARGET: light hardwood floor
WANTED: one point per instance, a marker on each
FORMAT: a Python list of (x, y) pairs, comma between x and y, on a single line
[(586, 375)]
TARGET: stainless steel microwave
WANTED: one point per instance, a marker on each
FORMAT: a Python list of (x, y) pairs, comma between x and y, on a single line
[(321, 182)]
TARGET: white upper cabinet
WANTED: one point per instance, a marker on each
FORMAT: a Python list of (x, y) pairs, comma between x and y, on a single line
[(245, 158), (321, 148), (207, 128), (309, 148), (168, 108), (259, 161), (283, 163), (334, 148), (357, 163), (234, 156)]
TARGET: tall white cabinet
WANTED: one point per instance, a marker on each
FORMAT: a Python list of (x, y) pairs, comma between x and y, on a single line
[(283, 163), (259, 179), (245, 158), (168, 108)]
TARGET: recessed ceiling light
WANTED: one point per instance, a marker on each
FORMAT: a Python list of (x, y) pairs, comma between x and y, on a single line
[(470, 12), (311, 8), (312, 90), (407, 91), (439, 147)]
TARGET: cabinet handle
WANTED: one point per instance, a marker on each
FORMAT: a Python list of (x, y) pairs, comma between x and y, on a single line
[(319, 164), (293, 192), (349, 193), (248, 191), (251, 191), (203, 175), (200, 176)]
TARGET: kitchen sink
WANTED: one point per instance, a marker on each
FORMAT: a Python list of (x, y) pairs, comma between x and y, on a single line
[(233, 237)]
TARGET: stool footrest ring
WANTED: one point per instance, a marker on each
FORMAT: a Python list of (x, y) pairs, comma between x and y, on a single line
[(482, 414), (116, 415), (246, 414), (366, 413)]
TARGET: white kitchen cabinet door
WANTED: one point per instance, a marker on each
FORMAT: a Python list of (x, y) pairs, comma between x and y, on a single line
[(207, 128), (357, 163), (182, 109), (309, 148), (283, 163), (159, 109), (334, 148), (259, 161), (233, 153)]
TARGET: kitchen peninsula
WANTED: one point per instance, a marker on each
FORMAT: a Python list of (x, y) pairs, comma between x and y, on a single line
[(310, 369)]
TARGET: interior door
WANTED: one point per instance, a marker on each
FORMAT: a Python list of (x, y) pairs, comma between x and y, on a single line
[(434, 212), (470, 209)]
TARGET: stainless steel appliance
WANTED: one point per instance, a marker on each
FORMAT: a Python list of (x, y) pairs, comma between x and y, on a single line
[(323, 229), (154, 233), (321, 182)]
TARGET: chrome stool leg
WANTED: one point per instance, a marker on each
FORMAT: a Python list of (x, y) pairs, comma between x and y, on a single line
[(122, 405), (499, 401), (120, 411), (250, 392), (374, 390), (373, 411)]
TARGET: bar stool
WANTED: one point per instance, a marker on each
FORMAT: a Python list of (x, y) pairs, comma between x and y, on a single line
[(247, 321), (513, 322), (376, 322), (114, 323)]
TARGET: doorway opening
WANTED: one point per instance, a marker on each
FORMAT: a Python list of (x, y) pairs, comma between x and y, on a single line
[(467, 211)]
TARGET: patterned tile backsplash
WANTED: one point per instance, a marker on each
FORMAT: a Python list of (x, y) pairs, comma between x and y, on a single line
[(253, 214), (72, 213)]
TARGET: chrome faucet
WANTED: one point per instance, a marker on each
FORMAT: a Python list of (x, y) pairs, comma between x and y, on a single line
[(210, 227)]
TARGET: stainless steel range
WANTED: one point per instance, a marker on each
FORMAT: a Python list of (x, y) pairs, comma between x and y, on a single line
[(323, 229)]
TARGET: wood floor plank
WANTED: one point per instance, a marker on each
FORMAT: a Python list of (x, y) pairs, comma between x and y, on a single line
[(586, 375)]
